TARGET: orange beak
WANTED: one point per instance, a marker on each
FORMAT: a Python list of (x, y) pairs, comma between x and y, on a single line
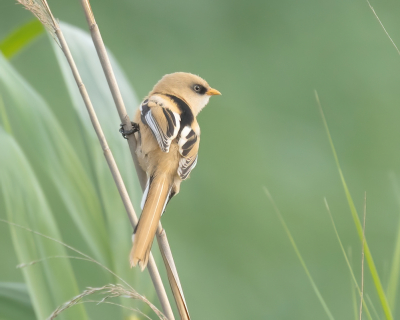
[(213, 92)]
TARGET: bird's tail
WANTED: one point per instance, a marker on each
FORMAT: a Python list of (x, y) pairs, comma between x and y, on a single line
[(153, 204)]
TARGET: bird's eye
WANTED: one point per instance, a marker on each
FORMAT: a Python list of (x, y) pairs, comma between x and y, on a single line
[(197, 88)]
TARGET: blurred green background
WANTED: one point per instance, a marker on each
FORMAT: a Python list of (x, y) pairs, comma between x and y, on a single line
[(267, 58)]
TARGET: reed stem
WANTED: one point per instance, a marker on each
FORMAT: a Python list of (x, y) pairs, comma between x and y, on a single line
[(154, 274), (119, 103)]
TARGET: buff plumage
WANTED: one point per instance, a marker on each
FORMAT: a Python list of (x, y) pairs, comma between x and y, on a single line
[(167, 148)]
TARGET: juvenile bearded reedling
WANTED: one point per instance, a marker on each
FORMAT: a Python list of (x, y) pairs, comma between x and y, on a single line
[(168, 138)]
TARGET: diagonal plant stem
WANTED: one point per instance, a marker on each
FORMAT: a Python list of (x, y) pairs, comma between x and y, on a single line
[(42, 11), (112, 83), (172, 274), (119, 103), (155, 276)]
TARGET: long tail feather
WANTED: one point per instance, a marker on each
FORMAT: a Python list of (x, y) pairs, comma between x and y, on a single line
[(154, 204)]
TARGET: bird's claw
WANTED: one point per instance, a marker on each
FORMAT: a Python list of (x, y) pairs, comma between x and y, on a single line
[(126, 133)]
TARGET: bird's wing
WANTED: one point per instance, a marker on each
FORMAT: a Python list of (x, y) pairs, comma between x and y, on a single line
[(188, 148), (163, 122)]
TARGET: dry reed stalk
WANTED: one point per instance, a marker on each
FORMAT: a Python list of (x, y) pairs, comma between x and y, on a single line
[(42, 11), (119, 103), (172, 274)]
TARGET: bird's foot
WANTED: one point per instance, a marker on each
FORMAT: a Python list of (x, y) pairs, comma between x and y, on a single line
[(126, 133)]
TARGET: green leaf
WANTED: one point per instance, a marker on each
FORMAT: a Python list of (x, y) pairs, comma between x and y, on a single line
[(52, 282), (15, 303), (63, 178), (21, 38)]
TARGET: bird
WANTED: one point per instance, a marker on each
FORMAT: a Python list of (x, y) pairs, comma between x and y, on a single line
[(168, 137)]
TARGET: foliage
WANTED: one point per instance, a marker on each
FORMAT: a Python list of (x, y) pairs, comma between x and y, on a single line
[(266, 58), (44, 177)]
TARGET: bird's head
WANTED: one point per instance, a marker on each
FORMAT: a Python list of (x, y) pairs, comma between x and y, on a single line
[(194, 90)]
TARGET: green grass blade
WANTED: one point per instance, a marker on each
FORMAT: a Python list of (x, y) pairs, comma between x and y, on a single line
[(24, 203), (296, 249), (21, 37), (69, 188), (15, 303), (353, 210)]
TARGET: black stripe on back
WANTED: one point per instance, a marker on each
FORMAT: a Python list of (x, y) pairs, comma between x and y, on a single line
[(187, 116)]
